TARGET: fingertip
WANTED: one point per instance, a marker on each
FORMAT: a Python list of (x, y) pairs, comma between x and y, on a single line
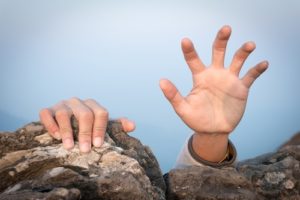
[(249, 46), (254, 73), (187, 45), (56, 135), (226, 27), (85, 147), (68, 143), (266, 63), (186, 40), (224, 32), (127, 124), (163, 83), (264, 66), (167, 88), (98, 141), (131, 126)]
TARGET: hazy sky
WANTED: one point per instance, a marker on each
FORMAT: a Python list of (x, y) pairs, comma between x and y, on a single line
[(116, 52)]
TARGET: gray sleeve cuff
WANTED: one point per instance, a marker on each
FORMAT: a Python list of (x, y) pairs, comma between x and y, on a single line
[(228, 161)]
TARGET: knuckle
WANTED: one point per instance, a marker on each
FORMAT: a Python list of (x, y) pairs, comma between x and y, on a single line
[(254, 73), (90, 100), (85, 133), (240, 55), (61, 103), (62, 113), (99, 129), (74, 100), (44, 111), (65, 130), (218, 49), (249, 46), (227, 129), (86, 116), (102, 114)]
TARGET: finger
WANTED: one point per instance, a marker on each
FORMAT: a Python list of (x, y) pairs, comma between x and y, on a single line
[(191, 57), (254, 73), (219, 47), (100, 121), (128, 125), (63, 115), (172, 94), (240, 57), (85, 119), (46, 117)]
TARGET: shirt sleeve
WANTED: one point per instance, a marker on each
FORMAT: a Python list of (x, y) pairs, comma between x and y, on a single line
[(187, 157)]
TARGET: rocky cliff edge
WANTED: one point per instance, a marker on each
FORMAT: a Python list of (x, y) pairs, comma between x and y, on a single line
[(35, 166)]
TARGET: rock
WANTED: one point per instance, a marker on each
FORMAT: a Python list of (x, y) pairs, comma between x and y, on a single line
[(275, 176), (295, 140), (208, 183), (270, 176), (35, 166), (55, 194)]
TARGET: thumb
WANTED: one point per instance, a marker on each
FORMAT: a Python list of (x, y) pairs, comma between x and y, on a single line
[(128, 125), (171, 93)]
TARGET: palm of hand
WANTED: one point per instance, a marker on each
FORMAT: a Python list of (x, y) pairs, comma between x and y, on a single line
[(218, 98), (216, 102)]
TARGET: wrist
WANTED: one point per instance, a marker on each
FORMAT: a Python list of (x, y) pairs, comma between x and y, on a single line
[(210, 146)]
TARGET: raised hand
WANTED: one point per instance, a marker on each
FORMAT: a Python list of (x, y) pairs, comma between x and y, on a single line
[(92, 119), (218, 98)]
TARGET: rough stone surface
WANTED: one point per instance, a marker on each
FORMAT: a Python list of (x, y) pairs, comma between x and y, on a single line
[(270, 176), (35, 166)]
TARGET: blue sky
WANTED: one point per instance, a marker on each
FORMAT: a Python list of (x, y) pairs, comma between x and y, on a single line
[(116, 52)]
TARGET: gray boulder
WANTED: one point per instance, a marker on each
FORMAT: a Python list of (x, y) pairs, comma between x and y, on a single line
[(271, 176), (35, 166)]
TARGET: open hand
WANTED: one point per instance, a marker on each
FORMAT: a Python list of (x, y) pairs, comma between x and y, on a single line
[(218, 98)]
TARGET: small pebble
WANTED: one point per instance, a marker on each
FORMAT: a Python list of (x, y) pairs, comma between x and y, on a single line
[(289, 184), (11, 173)]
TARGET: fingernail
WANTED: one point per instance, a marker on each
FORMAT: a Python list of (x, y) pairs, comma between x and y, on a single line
[(266, 62), (85, 147), (131, 126), (68, 143), (98, 141), (57, 135)]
